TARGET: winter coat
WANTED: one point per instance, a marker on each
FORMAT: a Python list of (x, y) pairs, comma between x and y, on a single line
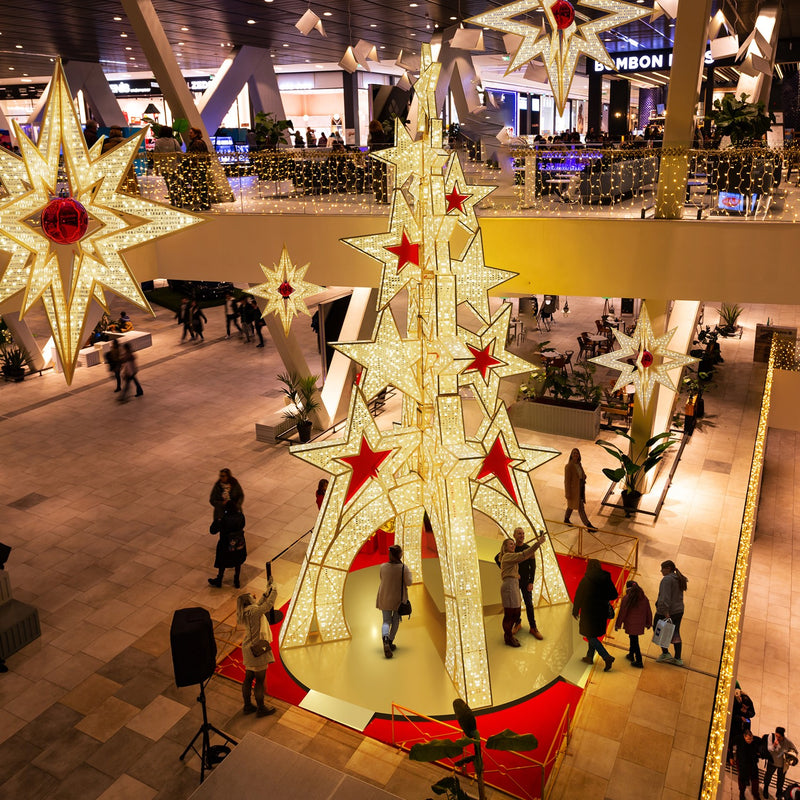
[(217, 498), (635, 613), (747, 758), (670, 596), (527, 568), (231, 547), (395, 580), (574, 484), (255, 628), (595, 591)]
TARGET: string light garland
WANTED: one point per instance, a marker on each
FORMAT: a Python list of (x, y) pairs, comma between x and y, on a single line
[(643, 359), (66, 251), (427, 462), (285, 290), (567, 40)]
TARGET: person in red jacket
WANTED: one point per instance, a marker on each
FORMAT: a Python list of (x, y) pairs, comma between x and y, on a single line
[(635, 615)]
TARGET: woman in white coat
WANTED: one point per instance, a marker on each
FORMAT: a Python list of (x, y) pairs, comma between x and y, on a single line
[(252, 615)]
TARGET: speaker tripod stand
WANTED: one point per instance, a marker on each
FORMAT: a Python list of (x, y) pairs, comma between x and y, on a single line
[(210, 755)]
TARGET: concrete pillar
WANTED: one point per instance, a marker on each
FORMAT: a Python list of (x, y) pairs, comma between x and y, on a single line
[(594, 112), (691, 34), (619, 103), (158, 52), (350, 86), (251, 66)]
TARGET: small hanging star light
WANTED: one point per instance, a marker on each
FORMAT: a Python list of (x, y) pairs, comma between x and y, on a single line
[(285, 290), (643, 359)]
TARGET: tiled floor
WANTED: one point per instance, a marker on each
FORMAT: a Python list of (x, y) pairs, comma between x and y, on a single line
[(106, 507)]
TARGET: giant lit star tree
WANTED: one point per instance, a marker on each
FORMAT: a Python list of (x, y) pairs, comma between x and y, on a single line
[(560, 35), (66, 222), (428, 462)]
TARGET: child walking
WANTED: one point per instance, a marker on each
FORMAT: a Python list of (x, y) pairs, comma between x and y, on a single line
[(635, 615)]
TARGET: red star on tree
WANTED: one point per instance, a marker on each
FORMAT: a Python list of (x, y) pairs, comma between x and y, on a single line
[(407, 252), (455, 200), (364, 465), (496, 463), (482, 360)]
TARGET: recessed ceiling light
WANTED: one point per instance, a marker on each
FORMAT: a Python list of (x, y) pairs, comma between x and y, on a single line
[(272, 55), (178, 54), (117, 19), (428, 27), (412, 34), (373, 25), (181, 44), (267, 1), (184, 28), (124, 35), (327, 13), (129, 48), (132, 58), (11, 68), (383, 47), (18, 46), (413, 5), (251, 22), (25, 80), (453, 17), (285, 45)]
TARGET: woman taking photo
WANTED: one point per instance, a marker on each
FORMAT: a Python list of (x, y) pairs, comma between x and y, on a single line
[(509, 589), (256, 649)]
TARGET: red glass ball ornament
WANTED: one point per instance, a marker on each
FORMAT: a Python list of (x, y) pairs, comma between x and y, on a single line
[(64, 220), (564, 14), (285, 290), (646, 359)]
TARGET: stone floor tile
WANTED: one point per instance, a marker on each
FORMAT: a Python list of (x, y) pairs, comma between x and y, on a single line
[(144, 688), (128, 788), (65, 753), (155, 719), (118, 753), (50, 724), (90, 693), (107, 719), (34, 700), (15, 753)]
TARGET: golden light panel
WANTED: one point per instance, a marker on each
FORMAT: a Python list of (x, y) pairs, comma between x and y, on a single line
[(67, 251), (426, 463), (285, 290), (644, 359), (562, 37)]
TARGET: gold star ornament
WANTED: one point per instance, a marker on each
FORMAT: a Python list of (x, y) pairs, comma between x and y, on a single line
[(562, 35), (66, 223), (285, 290), (644, 359)]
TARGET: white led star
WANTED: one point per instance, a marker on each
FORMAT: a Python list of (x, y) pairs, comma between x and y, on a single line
[(67, 277), (644, 359), (285, 290), (561, 46)]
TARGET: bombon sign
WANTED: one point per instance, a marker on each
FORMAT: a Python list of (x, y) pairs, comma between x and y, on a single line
[(642, 61)]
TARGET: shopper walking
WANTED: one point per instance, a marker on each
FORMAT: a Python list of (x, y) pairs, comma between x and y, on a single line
[(114, 361), (322, 487), (669, 606), (743, 712), (635, 615), (527, 574), (593, 606), (184, 317), (575, 489), (231, 546), (778, 749), (231, 314), (256, 649), (396, 577), (509, 562), (198, 320), (226, 489), (129, 371), (747, 764), (257, 320), (248, 317)]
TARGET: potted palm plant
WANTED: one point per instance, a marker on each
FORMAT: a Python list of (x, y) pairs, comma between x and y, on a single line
[(729, 314), (14, 363), (632, 470), (300, 393)]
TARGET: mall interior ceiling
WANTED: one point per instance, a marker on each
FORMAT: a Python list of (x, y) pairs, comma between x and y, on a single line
[(202, 33)]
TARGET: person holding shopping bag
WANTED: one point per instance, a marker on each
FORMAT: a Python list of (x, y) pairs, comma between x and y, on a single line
[(669, 606)]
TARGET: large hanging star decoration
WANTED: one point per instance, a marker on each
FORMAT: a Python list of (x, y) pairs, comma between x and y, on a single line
[(644, 359), (560, 38), (66, 223), (285, 290)]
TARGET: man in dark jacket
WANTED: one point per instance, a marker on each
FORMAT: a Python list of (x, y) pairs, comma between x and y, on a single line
[(592, 602), (747, 761), (527, 572)]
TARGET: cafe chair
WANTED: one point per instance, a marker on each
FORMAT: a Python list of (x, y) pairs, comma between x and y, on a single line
[(522, 334), (600, 325), (568, 359)]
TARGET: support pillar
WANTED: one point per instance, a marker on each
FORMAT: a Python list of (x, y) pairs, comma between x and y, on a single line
[(594, 111), (691, 34), (619, 103), (159, 54), (708, 97), (350, 86)]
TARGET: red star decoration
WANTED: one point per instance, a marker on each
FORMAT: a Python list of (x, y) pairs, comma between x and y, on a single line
[(482, 360), (496, 463), (455, 200), (407, 252), (364, 465)]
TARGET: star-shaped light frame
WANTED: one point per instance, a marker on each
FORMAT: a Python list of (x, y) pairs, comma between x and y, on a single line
[(290, 302), (67, 278), (559, 49), (638, 359)]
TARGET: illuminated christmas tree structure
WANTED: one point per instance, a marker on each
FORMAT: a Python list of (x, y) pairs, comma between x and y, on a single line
[(427, 462), (66, 222)]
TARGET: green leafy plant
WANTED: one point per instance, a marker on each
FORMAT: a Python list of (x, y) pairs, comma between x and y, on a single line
[(438, 749), (179, 126), (584, 385), (270, 131), (557, 382), (695, 382), (729, 316), (744, 122), (301, 393), (632, 470)]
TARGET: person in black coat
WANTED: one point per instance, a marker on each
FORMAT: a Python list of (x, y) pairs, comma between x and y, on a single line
[(231, 547), (592, 601), (747, 763)]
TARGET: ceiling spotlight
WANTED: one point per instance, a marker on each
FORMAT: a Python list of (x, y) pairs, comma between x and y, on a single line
[(413, 5), (11, 68), (285, 45), (251, 22), (412, 34), (327, 13), (124, 35), (129, 48), (184, 28), (18, 46), (117, 19), (373, 25), (453, 18)]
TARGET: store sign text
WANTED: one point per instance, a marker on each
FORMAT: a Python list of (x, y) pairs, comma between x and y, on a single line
[(646, 60)]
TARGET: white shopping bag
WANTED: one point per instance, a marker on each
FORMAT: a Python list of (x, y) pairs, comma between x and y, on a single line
[(663, 632)]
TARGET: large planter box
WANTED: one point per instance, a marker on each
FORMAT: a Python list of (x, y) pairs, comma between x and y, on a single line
[(559, 417)]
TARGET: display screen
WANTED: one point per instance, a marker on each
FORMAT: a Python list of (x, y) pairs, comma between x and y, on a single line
[(735, 202)]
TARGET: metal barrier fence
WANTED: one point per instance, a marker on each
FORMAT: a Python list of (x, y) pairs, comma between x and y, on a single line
[(746, 184)]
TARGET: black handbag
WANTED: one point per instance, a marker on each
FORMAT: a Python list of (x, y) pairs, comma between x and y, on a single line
[(404, 609)]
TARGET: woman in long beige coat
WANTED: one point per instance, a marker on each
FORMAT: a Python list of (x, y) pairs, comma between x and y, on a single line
[(251, 614), (575, 489)]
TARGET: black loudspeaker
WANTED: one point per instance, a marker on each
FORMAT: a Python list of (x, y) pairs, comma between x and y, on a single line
[(626, 305), (194, 651)]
